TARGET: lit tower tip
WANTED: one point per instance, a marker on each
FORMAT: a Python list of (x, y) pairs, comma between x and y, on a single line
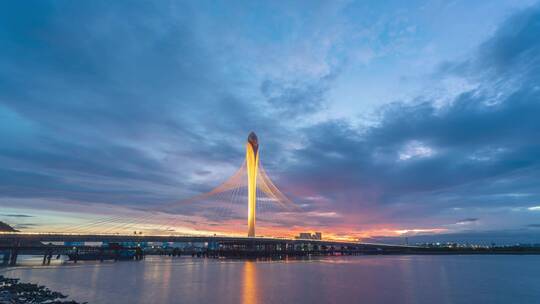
[(252, 164)]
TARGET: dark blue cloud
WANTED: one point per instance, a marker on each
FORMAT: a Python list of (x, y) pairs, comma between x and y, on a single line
[(97, 92), (17, 215)]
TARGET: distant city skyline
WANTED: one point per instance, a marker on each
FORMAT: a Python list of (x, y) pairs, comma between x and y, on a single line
[(380, 121)]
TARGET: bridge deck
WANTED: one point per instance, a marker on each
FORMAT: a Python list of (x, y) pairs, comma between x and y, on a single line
[(56, 237)]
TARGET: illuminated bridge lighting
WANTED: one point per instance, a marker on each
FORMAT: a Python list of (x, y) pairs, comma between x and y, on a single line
[(216, 210), (252, 175)]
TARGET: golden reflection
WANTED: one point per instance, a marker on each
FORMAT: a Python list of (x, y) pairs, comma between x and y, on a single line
[(156, 274), (249, 286)]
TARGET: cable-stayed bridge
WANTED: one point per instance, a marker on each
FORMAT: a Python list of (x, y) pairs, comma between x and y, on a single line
[(245, 197), (250, 183)]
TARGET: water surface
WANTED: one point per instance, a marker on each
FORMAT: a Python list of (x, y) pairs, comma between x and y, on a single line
[(363, 279)]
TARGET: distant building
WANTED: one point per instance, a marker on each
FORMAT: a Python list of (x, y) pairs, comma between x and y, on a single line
[(309, 236), (304, 236)]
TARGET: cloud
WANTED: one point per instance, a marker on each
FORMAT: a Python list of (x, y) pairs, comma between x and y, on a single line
[(422, 159), (415, 149), (127, 112), (25, 226), (294, 99), (16, 215), (467, 221), (113, 104), (143, 104)]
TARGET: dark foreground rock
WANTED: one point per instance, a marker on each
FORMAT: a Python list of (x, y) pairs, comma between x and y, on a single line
[(14, 292)]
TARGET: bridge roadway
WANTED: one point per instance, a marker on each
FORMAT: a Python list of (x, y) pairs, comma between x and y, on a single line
[(14, 244), (12, 238)]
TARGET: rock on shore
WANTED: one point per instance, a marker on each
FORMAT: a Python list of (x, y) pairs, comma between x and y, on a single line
[(14, 292)]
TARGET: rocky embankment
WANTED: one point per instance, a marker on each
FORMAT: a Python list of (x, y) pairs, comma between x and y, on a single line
[(14, 292)]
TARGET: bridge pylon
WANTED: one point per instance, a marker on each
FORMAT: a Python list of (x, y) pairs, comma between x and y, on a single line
[(252, 167)]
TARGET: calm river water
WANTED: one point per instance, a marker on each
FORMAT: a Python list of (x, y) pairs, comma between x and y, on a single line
[(362, 279)]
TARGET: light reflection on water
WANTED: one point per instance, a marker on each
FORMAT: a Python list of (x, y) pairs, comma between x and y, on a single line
[(249, 286), (363, 279)]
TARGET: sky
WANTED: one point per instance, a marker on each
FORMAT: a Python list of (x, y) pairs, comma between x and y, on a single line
[(379, 120)]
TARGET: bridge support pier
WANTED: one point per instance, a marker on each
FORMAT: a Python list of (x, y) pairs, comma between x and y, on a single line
[(13, 257), (5, 257), (47, 257)]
